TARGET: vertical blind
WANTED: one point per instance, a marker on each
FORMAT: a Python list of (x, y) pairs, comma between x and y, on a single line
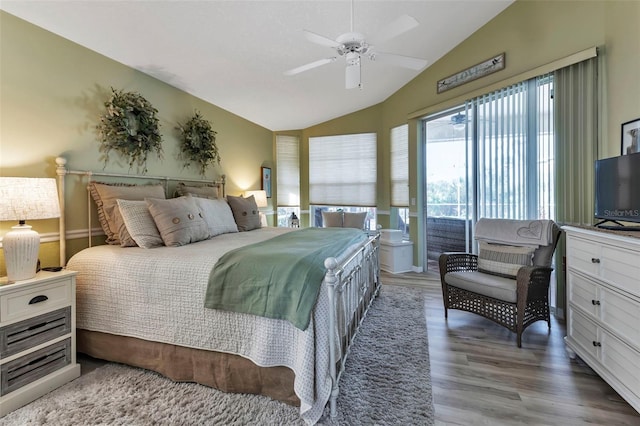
[(288, 170), (400, 166), (515, 151), (343, 170)]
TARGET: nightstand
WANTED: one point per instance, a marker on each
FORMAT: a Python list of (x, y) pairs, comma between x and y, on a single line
[(37, 337), (396, 256)]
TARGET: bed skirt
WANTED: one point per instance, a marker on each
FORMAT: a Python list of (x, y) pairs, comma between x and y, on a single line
[(223, 371)]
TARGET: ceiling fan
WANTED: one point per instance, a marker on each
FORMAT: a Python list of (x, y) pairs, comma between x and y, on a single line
[(353, 47)]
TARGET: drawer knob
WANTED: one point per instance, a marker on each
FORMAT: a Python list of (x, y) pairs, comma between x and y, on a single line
[(595, 260), (596, 344), (38, 299), (595, 302)]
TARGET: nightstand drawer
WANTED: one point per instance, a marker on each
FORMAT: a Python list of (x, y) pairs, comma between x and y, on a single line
[(26, 334), (29, 368), (35, 300)]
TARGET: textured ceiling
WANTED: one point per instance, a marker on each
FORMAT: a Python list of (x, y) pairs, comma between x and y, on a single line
[(234, 53)]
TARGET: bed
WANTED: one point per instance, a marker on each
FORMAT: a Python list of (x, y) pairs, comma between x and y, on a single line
[(144, 307)]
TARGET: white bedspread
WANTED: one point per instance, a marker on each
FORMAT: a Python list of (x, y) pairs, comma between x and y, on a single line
[(158, 295)]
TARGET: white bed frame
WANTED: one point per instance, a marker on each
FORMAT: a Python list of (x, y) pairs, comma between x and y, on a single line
[(352, 284)]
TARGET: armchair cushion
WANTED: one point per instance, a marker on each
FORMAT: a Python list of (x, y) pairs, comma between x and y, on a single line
[(500, 288), (503, 260)]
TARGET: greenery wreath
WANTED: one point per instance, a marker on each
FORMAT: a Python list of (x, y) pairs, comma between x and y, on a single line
[(130, 128), (198, 143)]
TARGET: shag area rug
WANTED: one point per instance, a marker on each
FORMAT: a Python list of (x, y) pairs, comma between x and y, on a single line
[(386, 382)]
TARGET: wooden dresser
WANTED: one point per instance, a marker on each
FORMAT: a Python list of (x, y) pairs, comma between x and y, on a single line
[(603, 294), (37, 337)]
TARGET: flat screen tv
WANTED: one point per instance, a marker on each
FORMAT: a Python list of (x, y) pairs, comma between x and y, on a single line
[(617, 184)]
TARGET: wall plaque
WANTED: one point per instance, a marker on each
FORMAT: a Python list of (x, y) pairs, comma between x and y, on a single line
[(480, 70)]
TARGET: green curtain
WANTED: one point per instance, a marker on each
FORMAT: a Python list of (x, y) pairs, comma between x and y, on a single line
[(576, 133)]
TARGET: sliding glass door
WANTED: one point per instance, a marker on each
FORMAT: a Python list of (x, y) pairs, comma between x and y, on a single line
[(448, 170), (492, 157)]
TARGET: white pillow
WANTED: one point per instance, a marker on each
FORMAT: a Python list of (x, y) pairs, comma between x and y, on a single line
[(140, 224), (218, 216)]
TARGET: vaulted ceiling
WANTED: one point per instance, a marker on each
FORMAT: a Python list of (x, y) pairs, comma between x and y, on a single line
[(234, 53)]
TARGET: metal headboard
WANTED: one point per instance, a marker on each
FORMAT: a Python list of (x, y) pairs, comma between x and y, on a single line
[(62, 172)]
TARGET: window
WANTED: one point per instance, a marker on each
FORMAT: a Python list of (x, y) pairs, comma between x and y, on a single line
[(343, 170), (288, 177), (400, 166)]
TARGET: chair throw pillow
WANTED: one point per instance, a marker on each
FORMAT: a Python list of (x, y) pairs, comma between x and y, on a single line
[(245, 212), (332, 219), (503, 260)]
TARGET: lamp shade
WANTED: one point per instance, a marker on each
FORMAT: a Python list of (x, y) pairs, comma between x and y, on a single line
[(25, 199), (259, 195), (28, 198)]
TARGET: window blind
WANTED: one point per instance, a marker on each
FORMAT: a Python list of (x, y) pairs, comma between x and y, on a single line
[(400, 166), (288, 170), (342, 170)]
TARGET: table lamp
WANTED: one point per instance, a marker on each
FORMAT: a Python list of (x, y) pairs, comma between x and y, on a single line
[(25, 199), (261, 201)]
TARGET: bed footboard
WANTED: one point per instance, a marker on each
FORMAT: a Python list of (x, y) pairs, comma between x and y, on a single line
[(352, 286)]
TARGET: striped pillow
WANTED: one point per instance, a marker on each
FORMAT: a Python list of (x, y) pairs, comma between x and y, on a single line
[(503, 260)]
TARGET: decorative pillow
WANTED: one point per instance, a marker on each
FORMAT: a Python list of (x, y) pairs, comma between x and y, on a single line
[(218, 216), (245, 212), (354, 220), (503, 260), (179, 220), (139, 224), (106, 195), (200, 191), (332, 219)]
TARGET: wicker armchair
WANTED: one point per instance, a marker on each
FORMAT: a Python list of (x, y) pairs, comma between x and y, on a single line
[(492, 296)]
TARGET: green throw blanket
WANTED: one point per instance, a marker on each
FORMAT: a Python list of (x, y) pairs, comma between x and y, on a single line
[(278, 278)]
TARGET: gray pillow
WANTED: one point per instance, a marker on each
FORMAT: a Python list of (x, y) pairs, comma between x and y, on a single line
[(503, 260), (332, 219), (354, 220), (245, 212), (201, 191), (106, 195), (218, 216), (139, 224), (179, 220)]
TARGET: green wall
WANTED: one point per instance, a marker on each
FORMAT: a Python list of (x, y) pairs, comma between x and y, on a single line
[(532, 34), (52, 92)]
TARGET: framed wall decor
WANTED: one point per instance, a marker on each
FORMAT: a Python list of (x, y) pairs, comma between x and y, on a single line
[(630, 137), (266, 180), (487, 67)]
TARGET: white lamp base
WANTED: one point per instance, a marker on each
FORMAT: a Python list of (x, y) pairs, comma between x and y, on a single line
[(21, 246)]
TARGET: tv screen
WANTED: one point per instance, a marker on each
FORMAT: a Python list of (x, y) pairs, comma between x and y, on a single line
[(618, 188)]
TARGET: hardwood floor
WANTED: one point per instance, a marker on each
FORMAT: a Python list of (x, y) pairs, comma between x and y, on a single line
[(480, 377)]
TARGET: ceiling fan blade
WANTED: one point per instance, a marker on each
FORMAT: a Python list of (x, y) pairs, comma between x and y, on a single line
[(400, 60), (321, 40), (394, 28), (309, 66)]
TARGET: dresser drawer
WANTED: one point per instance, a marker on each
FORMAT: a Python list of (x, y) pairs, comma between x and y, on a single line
[(26, 334), (583, 255), (583, 331), (582, 292), (31, 367), (35, 300)]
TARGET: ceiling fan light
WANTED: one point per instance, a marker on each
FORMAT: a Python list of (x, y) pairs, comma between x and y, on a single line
[(352, 74)]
